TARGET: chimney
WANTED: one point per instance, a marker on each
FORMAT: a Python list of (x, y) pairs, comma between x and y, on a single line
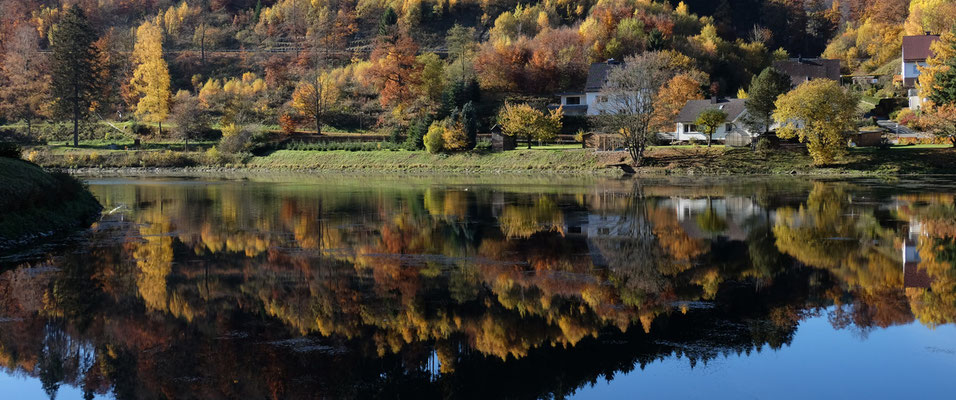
[(713, 99)]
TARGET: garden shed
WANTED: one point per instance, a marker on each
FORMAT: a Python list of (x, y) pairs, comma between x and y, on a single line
[(500, 141)]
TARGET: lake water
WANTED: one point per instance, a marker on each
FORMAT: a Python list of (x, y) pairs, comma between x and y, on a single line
[(494, 287)]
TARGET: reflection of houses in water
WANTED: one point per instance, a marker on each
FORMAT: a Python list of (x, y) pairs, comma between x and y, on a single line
[(913, 275), (738, 214), (606, 231)]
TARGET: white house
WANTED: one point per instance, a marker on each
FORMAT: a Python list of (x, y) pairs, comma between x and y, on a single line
[(687, 130), (588, 101), (915, 52)]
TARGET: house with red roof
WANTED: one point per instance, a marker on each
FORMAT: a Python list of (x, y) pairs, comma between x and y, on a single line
[(916, 49), (915, 52)]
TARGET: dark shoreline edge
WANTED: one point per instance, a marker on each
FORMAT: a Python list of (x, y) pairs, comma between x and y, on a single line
[(59, 205)]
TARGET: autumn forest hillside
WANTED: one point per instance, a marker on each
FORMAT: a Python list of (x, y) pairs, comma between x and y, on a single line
[(390, 64)]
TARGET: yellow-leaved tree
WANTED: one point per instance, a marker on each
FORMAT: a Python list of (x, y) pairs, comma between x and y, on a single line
[(313, 97), (151, 76), (934, 16), (819, 113), (523, 120), (943, 53)]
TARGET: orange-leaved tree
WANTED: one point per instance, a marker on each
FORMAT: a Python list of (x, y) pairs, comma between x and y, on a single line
[(314, 97)]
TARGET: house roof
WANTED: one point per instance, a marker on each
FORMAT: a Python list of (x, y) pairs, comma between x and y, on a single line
[(693, 108), (804, 69), (597, 75), (915, 277), (916, 48)]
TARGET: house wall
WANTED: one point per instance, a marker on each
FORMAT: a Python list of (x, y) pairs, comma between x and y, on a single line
[(915, 102), (720, 134), (594, 106)]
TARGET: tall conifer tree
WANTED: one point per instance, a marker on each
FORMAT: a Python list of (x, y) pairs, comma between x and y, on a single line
[(74, 79)]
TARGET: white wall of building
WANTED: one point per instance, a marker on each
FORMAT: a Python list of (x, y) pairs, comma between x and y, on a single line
[(595, 105), (686, 132)]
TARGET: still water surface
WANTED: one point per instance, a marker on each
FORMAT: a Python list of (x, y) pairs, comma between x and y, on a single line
[(365, 287)]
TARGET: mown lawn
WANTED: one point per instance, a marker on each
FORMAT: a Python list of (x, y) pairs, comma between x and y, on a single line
[(690, 159), (518, 160), (924, 159)]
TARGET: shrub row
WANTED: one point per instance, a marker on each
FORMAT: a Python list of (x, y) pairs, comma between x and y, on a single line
[(346, 146), (135, 159)]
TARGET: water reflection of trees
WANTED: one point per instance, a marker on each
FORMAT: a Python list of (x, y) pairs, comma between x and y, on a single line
[(205, 289)]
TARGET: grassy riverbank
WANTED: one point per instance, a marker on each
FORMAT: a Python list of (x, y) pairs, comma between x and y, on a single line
[(896, 160), (666, 160), (517, 160), (36, 203)]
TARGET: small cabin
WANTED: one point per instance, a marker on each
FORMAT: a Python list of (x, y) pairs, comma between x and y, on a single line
[(500, 141)]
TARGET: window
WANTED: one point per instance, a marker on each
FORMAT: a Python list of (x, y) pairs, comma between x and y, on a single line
[(690, 128), (729, 127), (572, 101)]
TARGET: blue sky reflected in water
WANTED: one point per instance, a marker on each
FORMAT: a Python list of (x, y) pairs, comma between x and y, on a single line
[(27, 388), (898, 362)]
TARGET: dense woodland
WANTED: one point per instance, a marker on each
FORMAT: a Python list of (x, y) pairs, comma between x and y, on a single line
[(396, 66)]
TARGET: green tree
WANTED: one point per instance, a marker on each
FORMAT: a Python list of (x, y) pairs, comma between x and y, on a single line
[(468, 117), (414, 139), (388, 19), (434, 142), (819, 113), (761, 97), (457, 93), (710, 119), (74, 77), (943, 91), (462, 46), (433, 76)]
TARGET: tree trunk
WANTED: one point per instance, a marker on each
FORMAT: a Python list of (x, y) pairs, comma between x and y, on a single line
[(529, 142), (637, 154), (202, 46), (76, 124), (186, 143), (160, 128), (710, 137)]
